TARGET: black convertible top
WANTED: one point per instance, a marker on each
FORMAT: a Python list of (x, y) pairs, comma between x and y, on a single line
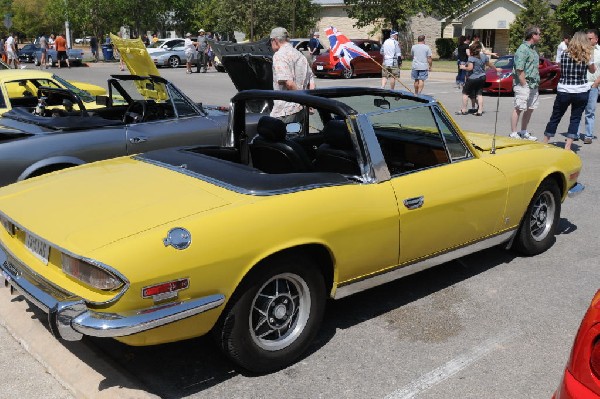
[(70, 122)]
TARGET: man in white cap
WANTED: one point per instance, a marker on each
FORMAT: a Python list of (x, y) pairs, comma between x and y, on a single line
[(290, 72), (202, 47), (189, 48), (392, 57), (314, 46)]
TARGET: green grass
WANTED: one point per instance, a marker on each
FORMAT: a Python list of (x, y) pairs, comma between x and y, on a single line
[(438, 65)]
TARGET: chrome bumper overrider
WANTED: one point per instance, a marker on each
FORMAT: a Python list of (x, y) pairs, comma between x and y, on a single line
[(576, 190), (70, 318)]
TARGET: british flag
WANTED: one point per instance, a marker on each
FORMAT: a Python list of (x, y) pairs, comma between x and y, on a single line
[(342, 50)]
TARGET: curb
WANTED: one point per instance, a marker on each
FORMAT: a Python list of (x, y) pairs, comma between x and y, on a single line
[(75, 365)]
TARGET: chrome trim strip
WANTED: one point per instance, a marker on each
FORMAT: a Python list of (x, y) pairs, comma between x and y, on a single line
[(576, 190), (379, 171), (405, 270), (237, 189), (107, 325)]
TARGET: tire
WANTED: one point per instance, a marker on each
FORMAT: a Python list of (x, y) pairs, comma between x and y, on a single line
[(36, 62), (348, 73), (174, 61), (50, 61), (538, 226), (291, 291)]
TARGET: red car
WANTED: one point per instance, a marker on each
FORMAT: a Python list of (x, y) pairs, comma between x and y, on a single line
[(360, 66), (581, 379), (503, 81)]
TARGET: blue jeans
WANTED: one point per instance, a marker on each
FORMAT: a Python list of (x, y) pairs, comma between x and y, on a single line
[(590, 110), (461, 75), (577, 101)]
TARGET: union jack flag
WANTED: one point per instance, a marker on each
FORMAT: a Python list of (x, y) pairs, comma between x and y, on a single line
[(342, 50)]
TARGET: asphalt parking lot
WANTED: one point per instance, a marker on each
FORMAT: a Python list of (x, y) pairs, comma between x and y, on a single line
[(492, 324)]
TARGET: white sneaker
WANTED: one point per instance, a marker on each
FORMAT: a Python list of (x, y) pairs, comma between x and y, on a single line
[(514, 135), (23, 66), (527, 136)]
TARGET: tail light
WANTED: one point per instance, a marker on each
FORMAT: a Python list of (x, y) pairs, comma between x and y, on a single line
[(584, 363), (90, 274)]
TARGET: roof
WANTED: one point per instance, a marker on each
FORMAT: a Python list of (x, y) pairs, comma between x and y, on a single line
[(480, 4)]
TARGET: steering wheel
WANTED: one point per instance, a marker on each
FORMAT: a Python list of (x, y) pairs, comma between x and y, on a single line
[(136, 112)]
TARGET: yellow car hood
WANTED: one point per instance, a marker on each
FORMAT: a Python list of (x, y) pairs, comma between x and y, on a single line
[(483, 141), (108, 201)]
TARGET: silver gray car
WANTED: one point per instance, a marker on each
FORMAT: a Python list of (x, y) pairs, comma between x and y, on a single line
[(140, 114)]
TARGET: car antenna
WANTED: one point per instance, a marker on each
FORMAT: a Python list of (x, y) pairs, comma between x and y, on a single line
[(493, 151)]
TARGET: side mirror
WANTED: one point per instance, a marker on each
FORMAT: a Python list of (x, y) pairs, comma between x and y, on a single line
[(381, 103), (103, 100)]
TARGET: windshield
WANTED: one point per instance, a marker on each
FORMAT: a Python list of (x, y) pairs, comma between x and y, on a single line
[(156, 44), (84, 95), (504, 63)]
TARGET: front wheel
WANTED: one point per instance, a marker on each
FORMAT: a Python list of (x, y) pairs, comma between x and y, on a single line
[(275, 317), (50, 61), (348, 73), (538, 227), (174, 61)]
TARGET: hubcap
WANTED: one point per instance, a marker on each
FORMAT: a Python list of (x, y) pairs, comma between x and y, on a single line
[(542, 216), (279, 312)]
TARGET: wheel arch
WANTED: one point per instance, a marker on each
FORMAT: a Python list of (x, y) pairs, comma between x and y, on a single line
[(49, 165)]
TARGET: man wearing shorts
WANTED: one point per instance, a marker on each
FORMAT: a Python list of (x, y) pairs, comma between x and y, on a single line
[(421, 63), (391, 57), (61, 50), (526, 80), (11, 51)]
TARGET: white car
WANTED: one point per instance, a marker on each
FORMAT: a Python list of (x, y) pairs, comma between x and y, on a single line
[(164, 44)]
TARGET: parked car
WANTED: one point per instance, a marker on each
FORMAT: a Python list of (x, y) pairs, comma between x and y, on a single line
[(19, 88), (164, 44), (503, 81), (300, 44), (322, 66), (173, 57), (581, 379), (83, 40), (27, 52), (75, 57), (248, 241), (139, 114)]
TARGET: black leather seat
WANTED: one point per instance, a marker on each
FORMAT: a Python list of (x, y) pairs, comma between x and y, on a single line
[(272, 152), (337, 153)]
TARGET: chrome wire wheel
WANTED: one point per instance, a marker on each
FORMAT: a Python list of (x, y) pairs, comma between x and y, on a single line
[(280, 312), (348, 73), (542, 216)]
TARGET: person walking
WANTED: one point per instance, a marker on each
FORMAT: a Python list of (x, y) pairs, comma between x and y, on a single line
[(43, 43), (392, 57), (202, 49), (94, 47), (475, 68), (573, 87), (314, 47), (594, 80), (526, 80), (290, 72), (421, 63), (462, 58), (61, 50), (189, 48), (11, 51), (562, 47)]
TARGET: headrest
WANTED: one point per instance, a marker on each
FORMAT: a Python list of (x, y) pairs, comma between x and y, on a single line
[(271, 128), (336, 135)]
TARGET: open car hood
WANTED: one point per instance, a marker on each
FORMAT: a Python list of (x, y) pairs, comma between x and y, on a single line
[(133, 52), (249, 65)]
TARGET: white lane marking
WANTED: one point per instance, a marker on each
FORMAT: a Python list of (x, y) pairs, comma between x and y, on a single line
[(452, 367)]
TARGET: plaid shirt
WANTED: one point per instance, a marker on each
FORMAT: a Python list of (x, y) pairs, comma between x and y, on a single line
[(289, 64), (573, 77), (527, 60)]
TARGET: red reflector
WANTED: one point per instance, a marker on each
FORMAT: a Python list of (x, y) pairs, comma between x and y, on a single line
[(162, 288), (595, 358), (573, 176)]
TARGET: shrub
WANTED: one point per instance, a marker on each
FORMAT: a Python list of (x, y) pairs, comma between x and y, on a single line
[(445, 46)]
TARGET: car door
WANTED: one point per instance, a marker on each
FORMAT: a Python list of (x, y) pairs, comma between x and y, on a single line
[(446, 196)]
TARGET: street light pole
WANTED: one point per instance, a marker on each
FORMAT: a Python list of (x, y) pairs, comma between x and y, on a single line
[(67, 27)]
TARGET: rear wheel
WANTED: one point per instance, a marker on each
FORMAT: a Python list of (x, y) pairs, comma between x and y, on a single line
[(348, 73), (276, 316), (174, 61), (538, 227), (49, 61)]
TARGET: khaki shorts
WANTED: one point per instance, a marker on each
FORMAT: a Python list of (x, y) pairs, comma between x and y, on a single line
[(525, 98), (391, 70)]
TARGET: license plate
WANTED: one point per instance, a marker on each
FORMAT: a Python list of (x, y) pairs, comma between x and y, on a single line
[(39, 248), (319, 67)]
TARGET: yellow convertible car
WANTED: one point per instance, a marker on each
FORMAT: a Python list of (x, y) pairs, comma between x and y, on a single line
[(249, 240), (19, 88)]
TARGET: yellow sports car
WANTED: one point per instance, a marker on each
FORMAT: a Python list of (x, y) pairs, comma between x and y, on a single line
[(248, 241), (19, 88)]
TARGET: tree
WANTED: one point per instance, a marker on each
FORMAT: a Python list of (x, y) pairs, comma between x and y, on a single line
[(579, 15), (536, 13), (397, 13)]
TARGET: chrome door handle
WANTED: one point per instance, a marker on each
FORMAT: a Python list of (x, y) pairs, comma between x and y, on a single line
[(414, 203), (137, 140)]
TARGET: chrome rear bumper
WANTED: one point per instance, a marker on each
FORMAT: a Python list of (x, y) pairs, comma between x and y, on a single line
[(70, 318)]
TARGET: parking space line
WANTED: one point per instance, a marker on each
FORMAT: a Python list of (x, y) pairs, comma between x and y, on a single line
[(452, 367)]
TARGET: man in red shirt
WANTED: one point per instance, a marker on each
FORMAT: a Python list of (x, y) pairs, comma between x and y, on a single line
[(61, 50)]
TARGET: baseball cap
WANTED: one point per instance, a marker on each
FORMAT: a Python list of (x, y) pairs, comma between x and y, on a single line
[(279, 33), (201, 30), (392, 33), (188, 34), (316, 34)]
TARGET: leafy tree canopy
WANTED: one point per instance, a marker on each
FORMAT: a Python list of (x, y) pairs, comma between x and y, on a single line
[(579, 15), (537, 13)]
